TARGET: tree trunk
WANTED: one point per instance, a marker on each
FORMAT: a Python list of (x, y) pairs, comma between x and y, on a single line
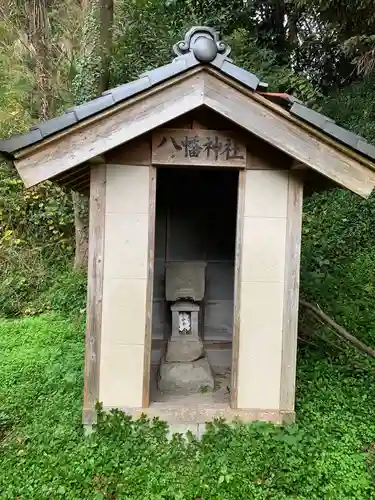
[(80, 205), (38, 32), (105, 45), (91, 81)]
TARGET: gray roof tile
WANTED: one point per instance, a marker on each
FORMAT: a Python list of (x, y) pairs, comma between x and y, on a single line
[(292, 99), (95, 106), (219, 60), (50, 127), (341, 134), (17, 142), (189, 60), (163, 72), (262, 87), (240, 74), (366, 148), (128, 89), (309, 115)]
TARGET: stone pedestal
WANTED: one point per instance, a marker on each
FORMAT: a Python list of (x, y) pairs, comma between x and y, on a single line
[(186, 378), (185, 344), (185, 280), (185, 368), (183, 350)]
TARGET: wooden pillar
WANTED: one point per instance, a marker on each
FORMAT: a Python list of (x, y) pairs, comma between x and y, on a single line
[(94, 291), (150, 287), (241, 194), (291, 292), (268, 291)]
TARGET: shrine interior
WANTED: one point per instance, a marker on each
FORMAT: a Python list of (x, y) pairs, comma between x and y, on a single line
[(196, 211)]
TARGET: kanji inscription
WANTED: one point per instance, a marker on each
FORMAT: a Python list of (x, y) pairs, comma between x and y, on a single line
[(200, 147)]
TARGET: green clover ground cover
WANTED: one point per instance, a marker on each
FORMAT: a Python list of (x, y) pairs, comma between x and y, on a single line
[(44, 455)]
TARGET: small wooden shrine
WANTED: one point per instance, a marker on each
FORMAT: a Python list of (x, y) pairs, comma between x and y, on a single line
[(196, 176)]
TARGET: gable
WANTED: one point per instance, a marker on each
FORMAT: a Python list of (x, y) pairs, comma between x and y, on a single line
[(259, 154), (300, 141), (116, 126), (200, 88)]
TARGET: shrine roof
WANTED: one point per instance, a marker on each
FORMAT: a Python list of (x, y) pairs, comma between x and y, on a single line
[(201, 46)]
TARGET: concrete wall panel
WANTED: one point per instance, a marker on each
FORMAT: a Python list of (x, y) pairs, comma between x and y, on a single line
[(125, 286)]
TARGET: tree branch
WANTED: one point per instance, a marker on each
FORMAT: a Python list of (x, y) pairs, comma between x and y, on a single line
[(338, 329)]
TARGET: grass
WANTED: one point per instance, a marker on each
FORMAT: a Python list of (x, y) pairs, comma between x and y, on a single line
[(44, 455)]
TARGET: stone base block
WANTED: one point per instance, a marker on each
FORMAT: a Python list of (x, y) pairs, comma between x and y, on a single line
[(186, 378), (184, 349), (186, 416)]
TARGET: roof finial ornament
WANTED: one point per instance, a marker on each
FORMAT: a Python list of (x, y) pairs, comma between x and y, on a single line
[(204, 43)]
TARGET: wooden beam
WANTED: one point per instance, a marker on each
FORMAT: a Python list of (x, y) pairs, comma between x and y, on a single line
[(237, 287), (287, 136), (291, 291), (81, 187), (150, 288), (315, 183), (297, 165), (135, 152), (130, 121), (268, 159), (94, 292), (205, 118), (75, 181), (97, 160), (71, 174)]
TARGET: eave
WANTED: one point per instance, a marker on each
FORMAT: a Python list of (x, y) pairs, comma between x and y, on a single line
[(200, 86)]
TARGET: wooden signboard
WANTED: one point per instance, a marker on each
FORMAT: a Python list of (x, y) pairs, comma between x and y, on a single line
[(197, 147)]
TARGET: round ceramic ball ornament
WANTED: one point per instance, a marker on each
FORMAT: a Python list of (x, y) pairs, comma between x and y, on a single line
[(204, 49)]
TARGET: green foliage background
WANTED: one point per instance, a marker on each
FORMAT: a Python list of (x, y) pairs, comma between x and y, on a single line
[(329, 452)]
